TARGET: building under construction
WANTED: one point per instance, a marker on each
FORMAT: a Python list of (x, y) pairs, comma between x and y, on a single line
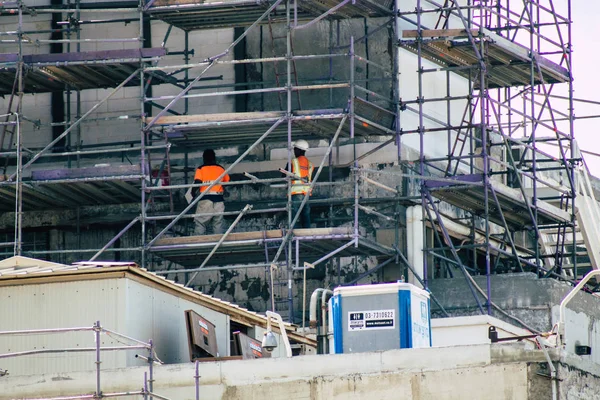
[(441, 132)]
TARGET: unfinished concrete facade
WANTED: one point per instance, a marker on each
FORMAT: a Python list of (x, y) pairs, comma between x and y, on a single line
[(429, 121)]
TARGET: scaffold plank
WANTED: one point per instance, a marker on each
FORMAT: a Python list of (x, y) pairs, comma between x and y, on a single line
[(241, 116), (249, 247), (446, 33), (255, 235), (224, 129), (73, 187), (205, 14), (79, 70), (507, 63), (513, 206)]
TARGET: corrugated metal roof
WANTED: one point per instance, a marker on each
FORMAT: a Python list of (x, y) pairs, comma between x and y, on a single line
[(22, 268), (18, 265)]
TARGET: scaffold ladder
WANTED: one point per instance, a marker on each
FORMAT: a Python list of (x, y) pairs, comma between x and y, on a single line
[(163, 176), (460, 140), (278, 284), (480, 15), (8, 130), (442, 22), (561, 240), (553, 245)]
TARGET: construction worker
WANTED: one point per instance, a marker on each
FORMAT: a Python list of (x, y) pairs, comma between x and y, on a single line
[(212, 203), (303, 168)]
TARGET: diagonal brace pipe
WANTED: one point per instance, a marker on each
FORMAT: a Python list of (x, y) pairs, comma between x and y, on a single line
[(148, 5), (371, 271), (328, 255), (505, 225), (78, 122), (212, 252), (405, 261), (113, 240)]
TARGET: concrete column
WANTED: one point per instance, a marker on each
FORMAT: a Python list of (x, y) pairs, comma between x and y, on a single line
[(56, 242), (414, 236)]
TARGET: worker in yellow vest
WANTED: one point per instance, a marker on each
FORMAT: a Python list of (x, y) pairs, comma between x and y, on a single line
[(302, 168)]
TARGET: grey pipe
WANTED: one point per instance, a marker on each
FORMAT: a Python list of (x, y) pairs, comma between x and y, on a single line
[(325, 296), (312, 316)]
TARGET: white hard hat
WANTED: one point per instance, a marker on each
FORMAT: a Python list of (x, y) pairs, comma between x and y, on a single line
[(301, 144)]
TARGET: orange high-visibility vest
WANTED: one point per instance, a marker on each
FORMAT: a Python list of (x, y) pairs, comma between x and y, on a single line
[(209, 173), (304, 169)]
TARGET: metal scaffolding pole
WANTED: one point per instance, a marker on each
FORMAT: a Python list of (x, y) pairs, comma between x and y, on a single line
[(19, 172)]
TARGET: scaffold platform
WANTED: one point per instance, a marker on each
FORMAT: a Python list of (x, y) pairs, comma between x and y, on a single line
[(258, 246), (241, 128), (507, 63), (79, 70), (192, 15), (74, 187), (463, 193)]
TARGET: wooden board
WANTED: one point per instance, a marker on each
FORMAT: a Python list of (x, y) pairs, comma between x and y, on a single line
[(199, 118), (429, 33), (159, 3), (255, 235)]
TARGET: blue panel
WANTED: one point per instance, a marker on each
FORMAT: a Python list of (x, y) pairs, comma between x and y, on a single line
[(429, 312), (404, 319), (338, 329)]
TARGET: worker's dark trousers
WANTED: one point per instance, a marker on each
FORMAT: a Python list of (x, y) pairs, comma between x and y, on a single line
[(304, 220)]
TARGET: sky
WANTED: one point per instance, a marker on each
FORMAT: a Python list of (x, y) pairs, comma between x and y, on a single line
[(586, 72)]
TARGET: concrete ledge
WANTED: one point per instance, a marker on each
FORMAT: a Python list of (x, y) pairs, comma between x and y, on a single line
[(491, 372), (395, 370)]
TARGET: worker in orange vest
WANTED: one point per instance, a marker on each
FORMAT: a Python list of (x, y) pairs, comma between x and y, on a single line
[(302, 168), (212, 203)]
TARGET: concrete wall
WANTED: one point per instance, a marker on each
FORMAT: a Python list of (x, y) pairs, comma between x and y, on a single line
[(531, 300), (473, 372), (522, 295), (460, 331)]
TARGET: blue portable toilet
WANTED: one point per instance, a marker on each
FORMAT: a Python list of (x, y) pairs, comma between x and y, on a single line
[(380, 317)]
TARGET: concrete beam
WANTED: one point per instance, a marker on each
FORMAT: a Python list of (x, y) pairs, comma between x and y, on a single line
[(89, 215)]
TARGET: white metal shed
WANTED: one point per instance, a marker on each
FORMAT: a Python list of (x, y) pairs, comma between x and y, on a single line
[(125, 298)]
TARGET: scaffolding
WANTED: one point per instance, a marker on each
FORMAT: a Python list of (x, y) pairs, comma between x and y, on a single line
[(516, 168), (127, 344), (480, 145)]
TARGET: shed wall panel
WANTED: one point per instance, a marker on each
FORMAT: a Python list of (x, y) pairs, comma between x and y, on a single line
[(126, 306), (153, 312), (60, 305)]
